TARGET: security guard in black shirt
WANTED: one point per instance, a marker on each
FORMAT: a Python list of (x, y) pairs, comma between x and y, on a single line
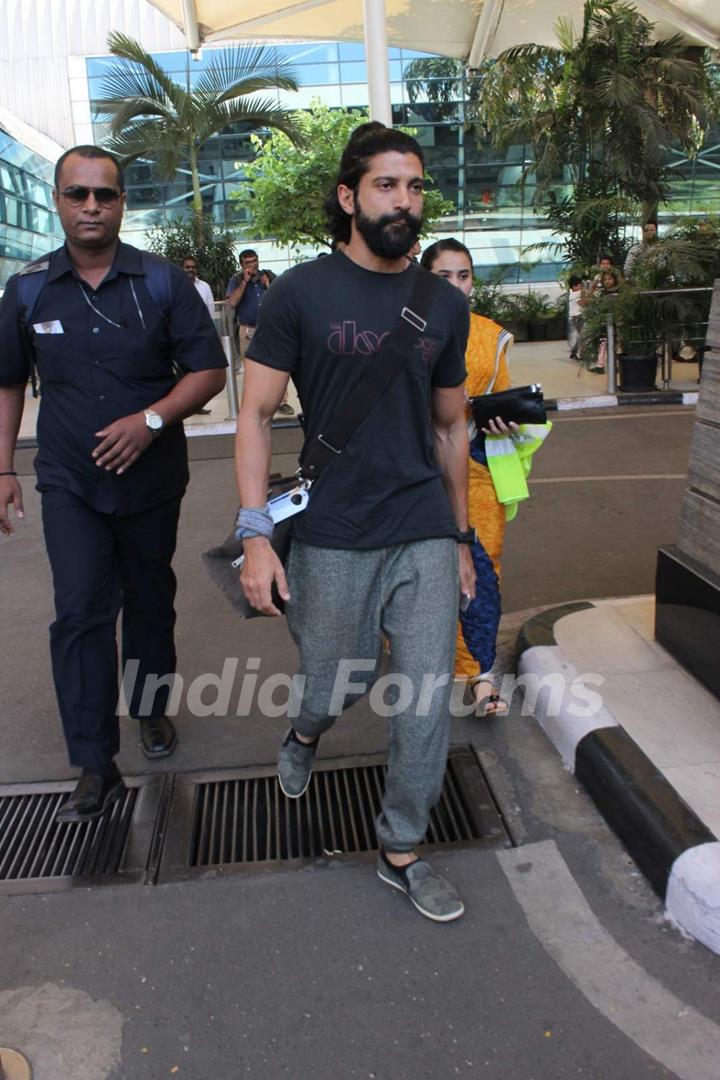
[(119, 369)]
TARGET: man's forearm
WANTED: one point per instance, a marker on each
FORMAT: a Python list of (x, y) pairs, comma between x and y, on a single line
[(452, 451), (12, 401), (253, 450), (237, 294)]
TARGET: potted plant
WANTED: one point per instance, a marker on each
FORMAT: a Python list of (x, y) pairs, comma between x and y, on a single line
[(558, 324), (507, 315), (487, 297), (533, 310), (637, 334), (639, 338), (651, 310)]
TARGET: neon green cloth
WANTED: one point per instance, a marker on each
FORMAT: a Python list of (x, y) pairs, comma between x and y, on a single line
[(509, 459)]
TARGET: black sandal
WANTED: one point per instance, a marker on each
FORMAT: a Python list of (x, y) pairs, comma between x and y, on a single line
[(492, 705)]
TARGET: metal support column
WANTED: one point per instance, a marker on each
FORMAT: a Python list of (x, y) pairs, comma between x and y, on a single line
[(231, 379), (376, 57), (666, 363), (224, 324), (611, 368)]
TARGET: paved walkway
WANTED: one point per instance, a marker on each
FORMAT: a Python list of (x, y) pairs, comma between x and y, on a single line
[(562, 966)]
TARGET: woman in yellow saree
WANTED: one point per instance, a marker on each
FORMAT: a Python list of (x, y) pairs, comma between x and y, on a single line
[(487, 372)]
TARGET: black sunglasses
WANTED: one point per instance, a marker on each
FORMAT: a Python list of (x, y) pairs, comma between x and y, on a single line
[(77, 194)]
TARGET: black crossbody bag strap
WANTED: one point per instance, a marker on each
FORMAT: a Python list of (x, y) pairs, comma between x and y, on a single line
[(396, 348)]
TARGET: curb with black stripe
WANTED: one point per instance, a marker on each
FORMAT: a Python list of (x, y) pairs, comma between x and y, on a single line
[(632, 398), (673, 848)]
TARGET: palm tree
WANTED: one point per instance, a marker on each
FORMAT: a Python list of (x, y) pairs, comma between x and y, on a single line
[(609, 103), (155, 116)]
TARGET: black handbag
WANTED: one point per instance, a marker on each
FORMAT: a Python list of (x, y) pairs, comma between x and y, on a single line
[(223, 562), (519, 405)]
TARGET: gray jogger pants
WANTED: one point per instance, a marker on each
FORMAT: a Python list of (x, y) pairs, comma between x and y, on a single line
[(343, 602)]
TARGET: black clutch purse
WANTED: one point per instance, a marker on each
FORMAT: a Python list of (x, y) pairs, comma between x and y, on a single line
[(519, 405)]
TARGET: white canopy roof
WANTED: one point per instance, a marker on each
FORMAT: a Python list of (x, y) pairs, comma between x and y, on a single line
[(468, 29)]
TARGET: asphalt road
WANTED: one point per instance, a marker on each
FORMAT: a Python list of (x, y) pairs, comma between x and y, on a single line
[(563, 965)]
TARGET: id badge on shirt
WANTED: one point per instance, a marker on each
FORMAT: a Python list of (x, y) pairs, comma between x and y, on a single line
[(53, 326)]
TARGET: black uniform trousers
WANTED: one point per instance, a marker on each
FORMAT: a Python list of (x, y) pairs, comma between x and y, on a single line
[(101, 564)]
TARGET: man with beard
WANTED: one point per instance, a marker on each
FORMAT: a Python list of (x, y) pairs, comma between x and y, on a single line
[(382, 548)]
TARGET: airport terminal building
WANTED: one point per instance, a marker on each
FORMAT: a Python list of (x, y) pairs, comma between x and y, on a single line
[(51, 81)]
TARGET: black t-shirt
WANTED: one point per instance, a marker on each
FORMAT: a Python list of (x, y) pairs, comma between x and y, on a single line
[(323, 322), (104, 354)]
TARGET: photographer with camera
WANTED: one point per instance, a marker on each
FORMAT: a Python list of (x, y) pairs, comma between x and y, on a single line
[(245, 293)]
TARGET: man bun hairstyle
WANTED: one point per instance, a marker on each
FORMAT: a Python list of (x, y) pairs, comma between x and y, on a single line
[(366, 142), (89, 151)]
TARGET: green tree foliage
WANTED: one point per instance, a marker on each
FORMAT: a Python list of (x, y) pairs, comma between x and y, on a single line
[(212, 245), (154, 116), (607, 104), (588, 224), (599, 110), (647, 311), (485, 98), (288, 183)]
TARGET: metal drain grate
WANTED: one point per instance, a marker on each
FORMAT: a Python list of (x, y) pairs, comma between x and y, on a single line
[(37, 853), (34, 845), (241, 818)]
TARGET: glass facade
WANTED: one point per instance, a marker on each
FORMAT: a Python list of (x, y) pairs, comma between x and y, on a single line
[(28, 224), (493, 214), (333, 72)]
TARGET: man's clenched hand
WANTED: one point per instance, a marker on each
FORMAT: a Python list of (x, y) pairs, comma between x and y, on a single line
[(261, 567), (10, 493), (123, 442)]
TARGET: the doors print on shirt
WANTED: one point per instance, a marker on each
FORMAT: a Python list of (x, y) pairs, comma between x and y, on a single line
[(347, 340)]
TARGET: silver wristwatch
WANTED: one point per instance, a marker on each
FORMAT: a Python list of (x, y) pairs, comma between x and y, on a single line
[(154, 421)]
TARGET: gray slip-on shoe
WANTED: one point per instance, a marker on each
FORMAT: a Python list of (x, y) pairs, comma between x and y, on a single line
[(432, 895), (294, 765)]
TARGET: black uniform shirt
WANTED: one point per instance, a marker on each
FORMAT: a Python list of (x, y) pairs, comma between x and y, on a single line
[(93, 372)]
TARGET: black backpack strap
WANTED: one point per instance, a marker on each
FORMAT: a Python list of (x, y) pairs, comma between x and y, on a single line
[(157, 280), (361, 401), (30, 283)]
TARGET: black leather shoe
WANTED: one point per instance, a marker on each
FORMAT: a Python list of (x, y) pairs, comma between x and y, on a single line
[(158, 737), (93, 794)]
